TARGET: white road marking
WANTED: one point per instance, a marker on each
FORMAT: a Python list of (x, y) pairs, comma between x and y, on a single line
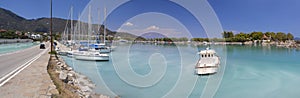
[(13, 73)]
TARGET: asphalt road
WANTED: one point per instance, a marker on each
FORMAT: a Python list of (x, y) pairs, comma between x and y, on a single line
[(11, 61)]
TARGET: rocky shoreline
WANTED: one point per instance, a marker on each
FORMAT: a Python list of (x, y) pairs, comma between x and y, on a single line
[(80, 85), (286, 44)]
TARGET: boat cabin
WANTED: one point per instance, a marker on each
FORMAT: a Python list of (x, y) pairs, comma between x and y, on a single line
[(207, 53)]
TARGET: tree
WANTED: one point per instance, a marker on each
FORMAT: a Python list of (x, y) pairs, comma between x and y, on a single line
[(241, 35), (257, 35), (273, 35), (200, 39), (281, 36), (268, 34), (290, 36), (9, 34), (227, 34)]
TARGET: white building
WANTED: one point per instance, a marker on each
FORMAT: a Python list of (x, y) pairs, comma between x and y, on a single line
[(35, 36)]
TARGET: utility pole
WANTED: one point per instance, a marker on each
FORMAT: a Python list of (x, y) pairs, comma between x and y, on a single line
[(51, 39)]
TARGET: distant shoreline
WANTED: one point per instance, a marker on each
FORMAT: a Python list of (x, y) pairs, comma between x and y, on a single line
[(10, 41), (287, 44)]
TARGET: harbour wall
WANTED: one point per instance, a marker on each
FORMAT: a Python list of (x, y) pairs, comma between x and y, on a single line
[(8, 41)]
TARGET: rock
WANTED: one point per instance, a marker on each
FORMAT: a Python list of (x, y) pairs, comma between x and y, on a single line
[(102, 96), (64, 65), (63, 75), (69, 78), (58, 68), (70, 82), (69, 68), (248, 42), (85, 89), (58, 63), (53, 91), (72, 72)]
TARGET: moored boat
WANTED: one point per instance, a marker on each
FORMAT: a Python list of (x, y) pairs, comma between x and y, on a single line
[(91, 56)]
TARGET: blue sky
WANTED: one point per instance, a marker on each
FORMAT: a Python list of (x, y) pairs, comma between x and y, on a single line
[(32, 9), (234, 15)]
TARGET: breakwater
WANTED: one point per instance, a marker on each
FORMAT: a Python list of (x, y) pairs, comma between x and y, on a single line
[(8, 41)]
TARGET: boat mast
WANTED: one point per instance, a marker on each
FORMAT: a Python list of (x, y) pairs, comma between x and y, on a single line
[(72, 29), (66, 31), (98, 19), (104, 34), (51, 36), (98, 29), (78, 27), (89, 26)]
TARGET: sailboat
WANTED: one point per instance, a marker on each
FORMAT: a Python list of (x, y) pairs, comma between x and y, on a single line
[(67, 38), (102, 47), (90, 55), (71, 42)]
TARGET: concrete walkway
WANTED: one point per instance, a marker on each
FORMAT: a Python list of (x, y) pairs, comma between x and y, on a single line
[(33, 82)]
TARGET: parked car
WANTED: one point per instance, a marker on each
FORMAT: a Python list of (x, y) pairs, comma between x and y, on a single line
[(42, 46)]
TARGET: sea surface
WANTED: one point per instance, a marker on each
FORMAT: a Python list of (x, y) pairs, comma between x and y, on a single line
[(154, 71), (7, 48)]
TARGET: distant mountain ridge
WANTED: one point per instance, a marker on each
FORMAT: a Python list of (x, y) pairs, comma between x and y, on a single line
[(12, 21), (151, 35)]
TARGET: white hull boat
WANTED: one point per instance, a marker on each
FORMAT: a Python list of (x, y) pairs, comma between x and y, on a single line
[(70, 54), (208, 63), (91, 56)]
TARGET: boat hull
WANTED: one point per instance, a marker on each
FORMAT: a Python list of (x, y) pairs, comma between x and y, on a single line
[(105, 51), (91, 57), (70, 55), (206, 71)]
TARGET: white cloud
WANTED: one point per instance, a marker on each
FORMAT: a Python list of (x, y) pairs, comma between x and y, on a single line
[(128, 24), (153, 28), (169, 32)]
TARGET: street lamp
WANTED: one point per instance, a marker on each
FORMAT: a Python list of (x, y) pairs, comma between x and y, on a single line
[(51, 39)]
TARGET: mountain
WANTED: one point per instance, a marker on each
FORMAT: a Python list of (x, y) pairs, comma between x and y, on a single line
[(151, 35), (11, 21), (297, 38)]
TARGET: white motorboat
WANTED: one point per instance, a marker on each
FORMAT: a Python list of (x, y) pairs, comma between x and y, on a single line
[(208, 62)]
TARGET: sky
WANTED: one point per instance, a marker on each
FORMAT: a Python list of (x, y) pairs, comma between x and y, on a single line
[(233, 15)]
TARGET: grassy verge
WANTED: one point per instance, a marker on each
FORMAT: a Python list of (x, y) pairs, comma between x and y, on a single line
[(63, 88)]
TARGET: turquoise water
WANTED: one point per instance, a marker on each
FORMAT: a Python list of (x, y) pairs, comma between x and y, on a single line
[(152, 71), (6, 48)]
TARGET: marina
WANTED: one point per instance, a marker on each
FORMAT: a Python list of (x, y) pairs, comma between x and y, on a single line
[(247, 72), (149, 49)]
